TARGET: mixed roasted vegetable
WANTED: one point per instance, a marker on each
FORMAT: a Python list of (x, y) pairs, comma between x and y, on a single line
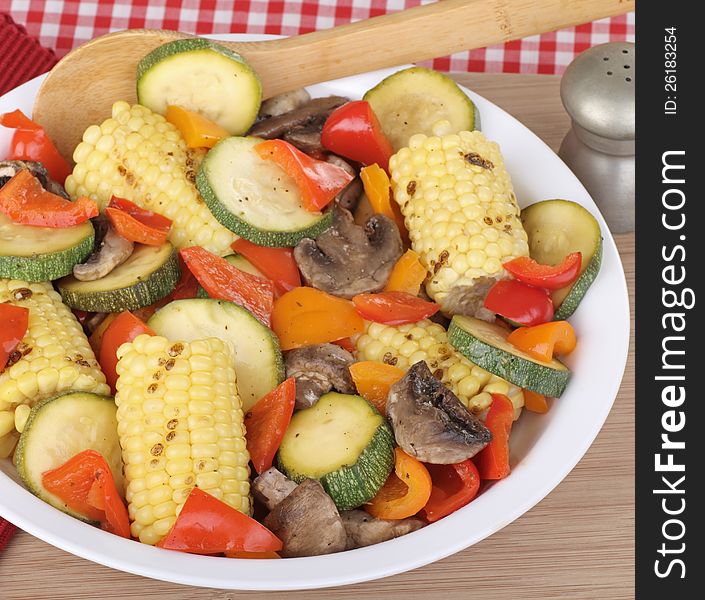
[(281, 328)]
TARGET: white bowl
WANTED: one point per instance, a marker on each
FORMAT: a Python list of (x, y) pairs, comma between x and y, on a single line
[(544, 448)]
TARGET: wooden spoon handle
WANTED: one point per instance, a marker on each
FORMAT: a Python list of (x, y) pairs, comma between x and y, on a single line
[(413, 35)]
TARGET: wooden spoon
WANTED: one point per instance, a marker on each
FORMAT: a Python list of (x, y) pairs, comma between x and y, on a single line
[(81, 88)]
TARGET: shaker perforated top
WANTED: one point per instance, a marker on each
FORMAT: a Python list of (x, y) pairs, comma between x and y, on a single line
[(597, 90)]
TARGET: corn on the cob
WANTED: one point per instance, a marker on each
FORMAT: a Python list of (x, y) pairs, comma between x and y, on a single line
[(54, 356), (138, 155), (181, 425), (405, 345), (461, 212)]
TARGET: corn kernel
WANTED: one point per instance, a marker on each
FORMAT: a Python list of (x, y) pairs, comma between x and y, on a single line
[(177, 443)]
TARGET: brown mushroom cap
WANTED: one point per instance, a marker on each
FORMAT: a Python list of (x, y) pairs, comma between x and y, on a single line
[(318, 369), (307, 522), (429, 421), (302, 126), (9, 168), (364, 530), (346, 259)]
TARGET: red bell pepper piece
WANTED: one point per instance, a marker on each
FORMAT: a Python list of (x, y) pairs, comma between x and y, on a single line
[(520, 303), (528, 271), (85, 483), (30, 142), (394, 308), (454, 486), (493, 460), (222, 280), (277, 264), (206, 525), (318, 181), (124, 328), (14, 320), (353, 131), (137, 224), (26, 202), (266, 423)]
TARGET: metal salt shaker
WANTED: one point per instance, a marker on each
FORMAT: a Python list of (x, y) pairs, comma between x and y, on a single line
[(597, 91)]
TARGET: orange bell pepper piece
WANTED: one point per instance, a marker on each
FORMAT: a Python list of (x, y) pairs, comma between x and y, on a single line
[(378, 190), (197, 130), (405, 492), (408, 274), (535, 402), (542, 341), (373, 380), (306, 316)]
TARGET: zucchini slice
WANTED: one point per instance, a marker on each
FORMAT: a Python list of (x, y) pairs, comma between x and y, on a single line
[(204, 77), (258, 360), (254, 197), (556, 228), (240, 262), (414, 100), (486, 345), (148, 275), (57, 429), (42, 253), (344, 443)]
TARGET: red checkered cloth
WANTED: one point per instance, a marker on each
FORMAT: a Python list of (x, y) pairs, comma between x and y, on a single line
[(21, 57), (7, 529), (64, 24)]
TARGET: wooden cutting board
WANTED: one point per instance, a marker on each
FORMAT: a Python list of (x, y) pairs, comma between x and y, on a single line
[(577, 543)]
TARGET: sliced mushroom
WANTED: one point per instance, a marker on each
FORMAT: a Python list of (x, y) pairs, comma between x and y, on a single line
[(113, 251), (350, 195), (364, 530), (469, 299), (93, 321), (319, 369), (271, 487), (429, 421), (347, 259), (307, 522), (301, 127), (9, 168), (283, 103)]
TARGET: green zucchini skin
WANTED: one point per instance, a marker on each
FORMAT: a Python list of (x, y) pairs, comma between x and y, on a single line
[(580, 287), (44, 266), (556, 228), (242, 108), (238, 225), (549, 379), (36, 453), (349, 485), (146, 290), (412, 100)]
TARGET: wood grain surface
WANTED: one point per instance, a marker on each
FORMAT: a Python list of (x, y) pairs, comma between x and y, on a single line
[(577, 543)]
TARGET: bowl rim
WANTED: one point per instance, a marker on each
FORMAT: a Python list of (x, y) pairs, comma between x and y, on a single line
[(364, 564)]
